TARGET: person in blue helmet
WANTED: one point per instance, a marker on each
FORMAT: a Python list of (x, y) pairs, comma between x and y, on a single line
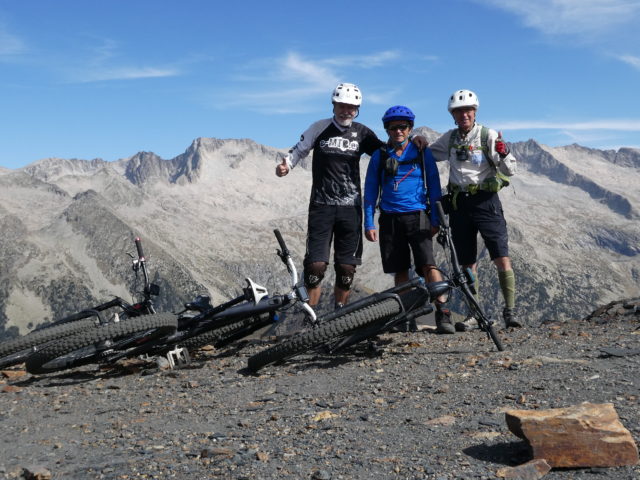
[(335, 206), (407, 185)]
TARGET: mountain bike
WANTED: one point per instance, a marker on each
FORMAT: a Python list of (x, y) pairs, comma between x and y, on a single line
[(199, 324), (382, 312), (17, 350)]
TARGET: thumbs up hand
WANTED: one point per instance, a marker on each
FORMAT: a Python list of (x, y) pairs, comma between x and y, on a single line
[(501, 146), (282, 169)]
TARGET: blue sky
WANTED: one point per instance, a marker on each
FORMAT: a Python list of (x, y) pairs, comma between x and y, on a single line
[(106, 79)]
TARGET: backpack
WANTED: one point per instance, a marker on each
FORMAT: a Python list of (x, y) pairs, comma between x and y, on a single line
[(389, 165)]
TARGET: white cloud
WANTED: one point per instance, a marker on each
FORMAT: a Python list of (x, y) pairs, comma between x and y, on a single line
[(377, 59), (625, 125), (290, 83), (307, 71), (631, 60), (102, 65), (125, 73), (572, 16), (10, 44)]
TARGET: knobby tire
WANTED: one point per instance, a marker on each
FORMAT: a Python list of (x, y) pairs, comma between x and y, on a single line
[(17, 350), (326, 332), (226, 333), (88, 346), (196, 337)]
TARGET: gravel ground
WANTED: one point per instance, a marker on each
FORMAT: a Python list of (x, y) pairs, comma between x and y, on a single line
[(429, 407)]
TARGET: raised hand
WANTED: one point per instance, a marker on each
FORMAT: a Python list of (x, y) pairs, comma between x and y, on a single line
[(420, 141), (282, 169), (501, 146)]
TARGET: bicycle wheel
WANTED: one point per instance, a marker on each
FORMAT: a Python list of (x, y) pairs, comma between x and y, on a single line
[(96, 343), (227, 333), (17, 350), (332, 330)]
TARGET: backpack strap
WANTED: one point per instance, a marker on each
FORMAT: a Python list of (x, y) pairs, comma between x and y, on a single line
[(493, 184), (381, 162), (453, 138), (484, 143)]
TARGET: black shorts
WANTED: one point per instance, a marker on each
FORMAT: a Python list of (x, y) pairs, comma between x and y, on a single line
[(400, 234), (340, 224), (482, 213)]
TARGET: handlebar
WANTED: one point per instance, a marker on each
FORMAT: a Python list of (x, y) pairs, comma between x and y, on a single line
[(444, 220), (300, 291), (249, 303), (283, 246), (139, 248), (141, 263)]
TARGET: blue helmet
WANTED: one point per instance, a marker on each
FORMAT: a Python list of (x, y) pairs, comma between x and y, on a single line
[(399, 112)]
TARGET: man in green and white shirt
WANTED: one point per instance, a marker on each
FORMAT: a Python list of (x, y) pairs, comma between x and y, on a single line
[(480, 164)]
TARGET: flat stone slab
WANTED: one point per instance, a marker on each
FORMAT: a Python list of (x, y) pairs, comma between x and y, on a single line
[(585, 435)]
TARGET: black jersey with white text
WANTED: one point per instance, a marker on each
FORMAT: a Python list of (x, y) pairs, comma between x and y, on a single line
[(336, 160)]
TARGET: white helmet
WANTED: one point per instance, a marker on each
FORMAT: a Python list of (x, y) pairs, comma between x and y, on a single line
[(347, 93), (463, 98)]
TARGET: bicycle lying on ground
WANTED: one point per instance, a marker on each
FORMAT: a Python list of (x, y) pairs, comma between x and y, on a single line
[(115, 311), (382, 312), (198, 325)]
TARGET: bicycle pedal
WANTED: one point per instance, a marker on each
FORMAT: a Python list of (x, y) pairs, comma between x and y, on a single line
[(178, 357)]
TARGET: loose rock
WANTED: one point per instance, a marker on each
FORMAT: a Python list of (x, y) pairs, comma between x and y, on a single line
[(585, 435)]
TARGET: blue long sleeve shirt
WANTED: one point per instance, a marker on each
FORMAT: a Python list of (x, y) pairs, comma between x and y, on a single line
[(405, 192)]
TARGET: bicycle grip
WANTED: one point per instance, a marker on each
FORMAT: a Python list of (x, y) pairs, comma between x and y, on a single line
[(139, 247), (444, 220), (283, 246)]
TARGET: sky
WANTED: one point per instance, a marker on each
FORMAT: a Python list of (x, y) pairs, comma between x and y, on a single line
[(107, 79)]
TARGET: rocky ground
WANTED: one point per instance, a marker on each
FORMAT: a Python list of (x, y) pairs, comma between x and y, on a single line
[(429, 407)]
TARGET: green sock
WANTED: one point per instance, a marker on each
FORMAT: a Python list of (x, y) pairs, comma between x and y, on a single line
[(508, 286)]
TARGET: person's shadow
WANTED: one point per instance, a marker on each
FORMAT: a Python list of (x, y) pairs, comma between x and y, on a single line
[(506, 453)]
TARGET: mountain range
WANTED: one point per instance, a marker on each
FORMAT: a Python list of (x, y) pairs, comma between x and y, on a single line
[(206, 219)]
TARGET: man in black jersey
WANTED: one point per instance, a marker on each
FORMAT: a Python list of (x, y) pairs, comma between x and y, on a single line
[(335, 207)]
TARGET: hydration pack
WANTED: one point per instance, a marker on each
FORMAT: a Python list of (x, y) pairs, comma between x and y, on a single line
[(491, 184)]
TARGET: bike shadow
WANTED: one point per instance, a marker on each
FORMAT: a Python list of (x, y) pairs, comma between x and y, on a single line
[(319, 362), (79, 377), (328, 360)]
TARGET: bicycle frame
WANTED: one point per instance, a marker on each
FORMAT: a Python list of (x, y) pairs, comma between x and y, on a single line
[(254, 301), (256, 298)]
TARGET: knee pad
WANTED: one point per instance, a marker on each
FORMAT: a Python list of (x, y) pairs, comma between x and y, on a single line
[(314, 273), (344, 275)]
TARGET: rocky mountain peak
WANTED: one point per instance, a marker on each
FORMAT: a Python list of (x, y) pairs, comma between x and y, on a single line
[(205, 157), (144, 166), (560, 165), (209, 213), (628, 157), (51, 169)]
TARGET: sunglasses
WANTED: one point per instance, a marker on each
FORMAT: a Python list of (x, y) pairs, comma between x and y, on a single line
[(398, 127)]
